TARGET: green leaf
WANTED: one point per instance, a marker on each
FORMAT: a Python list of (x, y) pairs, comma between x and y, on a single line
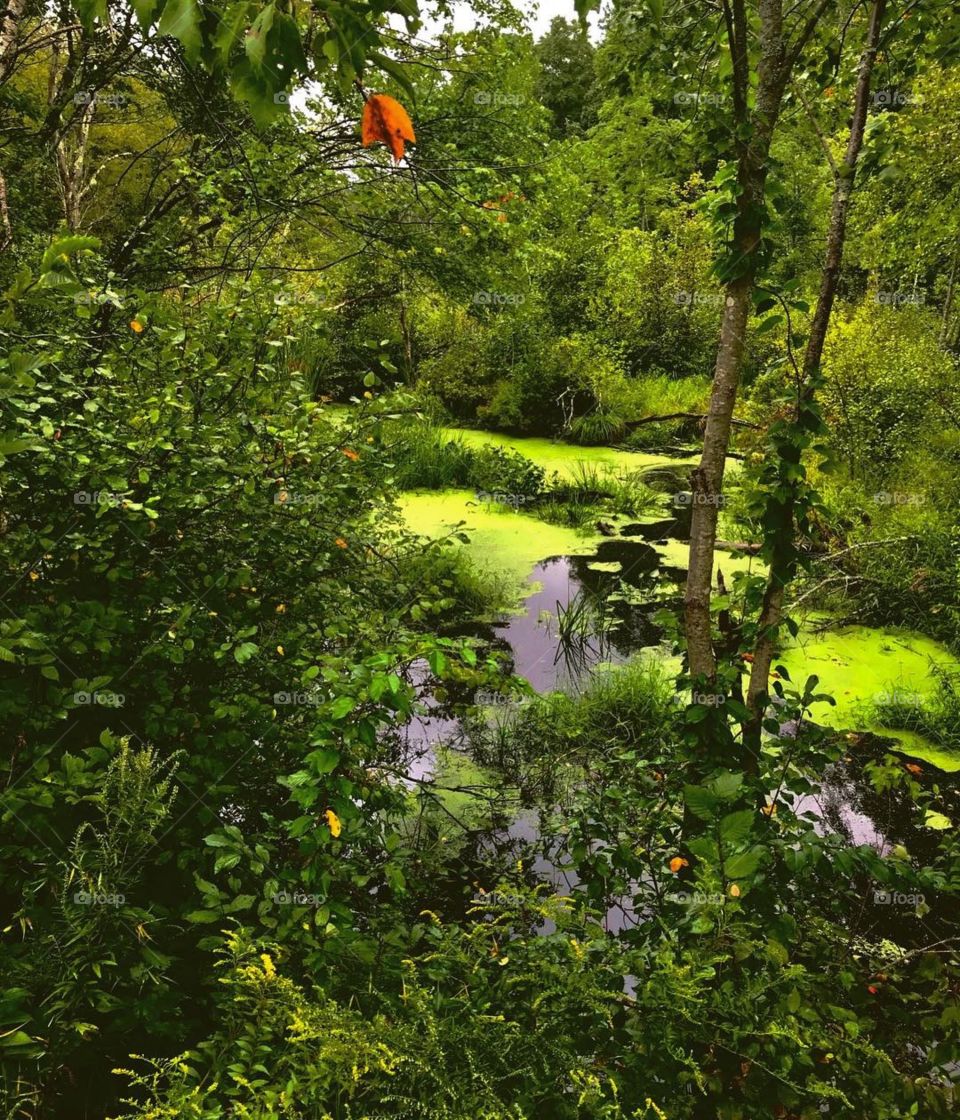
[(255, 41), (744, 864), (323, 761), (342, 706), (202, 917), (700, 802), (146, 11), (726, 786), (181, 19), (735, 827)]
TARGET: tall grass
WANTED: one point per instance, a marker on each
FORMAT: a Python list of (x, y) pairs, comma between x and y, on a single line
[(427, 457), (622, 492), (936, 717), (631, 706)]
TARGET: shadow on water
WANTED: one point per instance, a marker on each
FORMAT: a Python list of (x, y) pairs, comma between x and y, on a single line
[(612, 597)]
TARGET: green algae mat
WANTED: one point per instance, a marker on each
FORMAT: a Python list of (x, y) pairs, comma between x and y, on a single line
[(501, 539), (860, 666), (566, 458)]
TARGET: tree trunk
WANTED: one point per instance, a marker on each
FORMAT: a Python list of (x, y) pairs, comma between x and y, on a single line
[(948, 301), (754, 131), (783, 560)]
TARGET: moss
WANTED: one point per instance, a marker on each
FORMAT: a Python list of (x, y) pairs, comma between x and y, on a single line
[(501, 539), (858, 666), (563, 458)]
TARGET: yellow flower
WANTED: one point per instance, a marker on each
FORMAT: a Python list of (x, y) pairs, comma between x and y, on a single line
[(268, 970), (333, 823)]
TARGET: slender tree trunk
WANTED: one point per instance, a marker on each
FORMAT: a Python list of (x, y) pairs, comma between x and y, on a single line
[(754, 134), (10, 16), (948, 301), (783, 560)]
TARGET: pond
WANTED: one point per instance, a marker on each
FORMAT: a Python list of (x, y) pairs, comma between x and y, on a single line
[(586, 600), (555, 567)]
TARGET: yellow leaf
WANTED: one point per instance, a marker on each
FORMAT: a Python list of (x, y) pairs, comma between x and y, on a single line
[(333, 823)]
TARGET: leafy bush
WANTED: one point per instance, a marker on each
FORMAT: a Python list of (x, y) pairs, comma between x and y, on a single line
[(888, 385)]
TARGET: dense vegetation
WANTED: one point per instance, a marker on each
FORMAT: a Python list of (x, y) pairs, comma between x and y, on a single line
[(245, 302)]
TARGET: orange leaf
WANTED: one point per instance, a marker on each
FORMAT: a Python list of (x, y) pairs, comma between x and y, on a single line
[(350, 453), (386, 120)]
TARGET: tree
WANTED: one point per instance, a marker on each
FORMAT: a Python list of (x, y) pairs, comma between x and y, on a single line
[(566, 81)]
